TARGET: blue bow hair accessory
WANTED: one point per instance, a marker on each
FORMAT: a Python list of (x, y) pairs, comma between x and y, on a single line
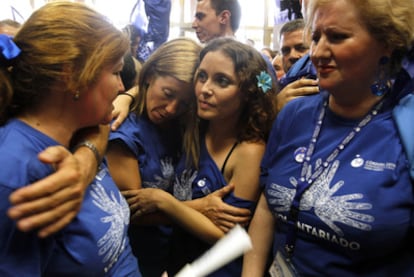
[(8, 48)]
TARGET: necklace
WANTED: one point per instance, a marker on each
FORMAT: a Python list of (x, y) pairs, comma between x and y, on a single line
[(306, 182)]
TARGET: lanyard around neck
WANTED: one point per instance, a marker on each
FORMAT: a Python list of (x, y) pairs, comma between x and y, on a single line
[(306, 182)]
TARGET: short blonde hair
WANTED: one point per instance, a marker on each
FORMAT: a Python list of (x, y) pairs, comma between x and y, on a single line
[(390, 22)]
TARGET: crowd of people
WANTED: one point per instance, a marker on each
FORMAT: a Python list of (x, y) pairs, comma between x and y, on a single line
[(117, 167)]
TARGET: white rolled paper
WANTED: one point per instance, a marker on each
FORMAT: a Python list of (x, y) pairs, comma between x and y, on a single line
[(234, 244)]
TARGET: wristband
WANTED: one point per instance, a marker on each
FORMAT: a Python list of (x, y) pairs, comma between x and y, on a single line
[(90, 146), (130, 95)]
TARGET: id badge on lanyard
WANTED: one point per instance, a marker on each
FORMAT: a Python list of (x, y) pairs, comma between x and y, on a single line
[(282, 267)]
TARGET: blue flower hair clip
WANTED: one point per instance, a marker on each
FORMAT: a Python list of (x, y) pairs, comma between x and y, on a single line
[(264, 81), (8, 48)]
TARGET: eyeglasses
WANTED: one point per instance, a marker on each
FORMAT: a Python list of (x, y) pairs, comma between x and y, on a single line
[(298, 47)]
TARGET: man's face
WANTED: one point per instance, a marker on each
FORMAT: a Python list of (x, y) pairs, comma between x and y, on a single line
[(293, 47), (206, 23)]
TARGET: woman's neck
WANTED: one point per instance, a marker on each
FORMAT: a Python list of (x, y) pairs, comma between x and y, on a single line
[(352, 109), (222, 129), (51, 125), (219, 140)]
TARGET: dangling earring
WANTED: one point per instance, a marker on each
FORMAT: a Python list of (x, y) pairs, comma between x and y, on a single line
[(76, 95), (381, 84)]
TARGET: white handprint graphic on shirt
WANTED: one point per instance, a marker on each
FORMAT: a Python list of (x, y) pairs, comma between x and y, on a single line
[(321, 196), (113, 242), (162, 182), (183, 184)]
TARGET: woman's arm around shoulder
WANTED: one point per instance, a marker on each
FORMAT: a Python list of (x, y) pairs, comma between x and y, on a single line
[(51, 203)]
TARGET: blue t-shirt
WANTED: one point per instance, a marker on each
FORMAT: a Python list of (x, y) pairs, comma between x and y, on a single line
[(157, 151), (303, 68), (357, 218), (95, 243), (206, 180)]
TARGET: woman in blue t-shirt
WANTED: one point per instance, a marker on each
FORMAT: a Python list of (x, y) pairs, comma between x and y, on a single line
[(235, 109), (338, 199), (59, 74), (144, 150)]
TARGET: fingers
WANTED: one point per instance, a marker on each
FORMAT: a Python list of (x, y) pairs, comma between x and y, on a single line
[(234, 211), (298, 88), (120, 118), (59, 156), (138, 213), (45, 203), (54, 154), (118, 121), (227, 224), (235, 215), (42, 189), (121, 110), (56, 226), (299, 84), (230, 216), (129, 194), (133, 206), (224, 191), (133, 201), (303, 82), (50, 203), (138, 207), (308, 87), (225, 227), (50, 221)]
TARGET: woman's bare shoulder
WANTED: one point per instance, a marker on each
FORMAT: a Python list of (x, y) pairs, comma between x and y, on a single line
[(251, 148)]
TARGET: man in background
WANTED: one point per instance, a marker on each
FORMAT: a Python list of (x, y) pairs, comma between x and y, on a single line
[(300, 78), (219, 18), (293, 44), (216, 18)]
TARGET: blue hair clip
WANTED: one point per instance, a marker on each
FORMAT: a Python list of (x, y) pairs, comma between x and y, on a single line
[(8, 48)]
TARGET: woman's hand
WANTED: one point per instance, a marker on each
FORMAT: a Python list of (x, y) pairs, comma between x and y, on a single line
[(224, 215), (122, 106), (298, 88), (143, 201)]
